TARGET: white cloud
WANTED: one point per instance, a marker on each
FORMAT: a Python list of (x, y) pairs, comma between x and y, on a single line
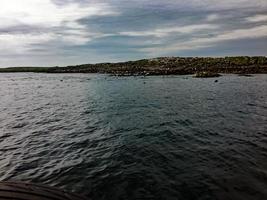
[(257, 18), (201, 5), (223, 5), (46, 13), (212, 17), (201, 42), (57, 23), (162, 32), (20, 43)]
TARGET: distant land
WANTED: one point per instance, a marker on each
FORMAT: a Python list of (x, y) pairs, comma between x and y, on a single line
[(162, 66)]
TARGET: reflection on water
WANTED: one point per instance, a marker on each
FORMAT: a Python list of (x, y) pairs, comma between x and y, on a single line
[(172, 137)]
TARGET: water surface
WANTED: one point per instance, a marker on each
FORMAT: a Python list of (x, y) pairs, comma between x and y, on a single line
[(159, 137)]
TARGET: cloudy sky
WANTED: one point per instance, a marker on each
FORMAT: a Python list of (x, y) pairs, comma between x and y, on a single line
[(64, 32)]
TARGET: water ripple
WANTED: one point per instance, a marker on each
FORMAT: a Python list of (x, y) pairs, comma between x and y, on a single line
[(117, 138)]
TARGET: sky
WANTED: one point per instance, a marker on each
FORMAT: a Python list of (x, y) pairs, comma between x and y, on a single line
[(67, 32)]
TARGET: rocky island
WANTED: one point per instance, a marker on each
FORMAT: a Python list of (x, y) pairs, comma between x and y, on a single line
[(201, 66)]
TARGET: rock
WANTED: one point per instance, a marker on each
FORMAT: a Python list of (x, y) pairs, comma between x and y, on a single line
[(206, 74), (246, 75)]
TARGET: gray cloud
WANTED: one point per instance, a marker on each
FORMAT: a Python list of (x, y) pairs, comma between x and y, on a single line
[(46, 31)]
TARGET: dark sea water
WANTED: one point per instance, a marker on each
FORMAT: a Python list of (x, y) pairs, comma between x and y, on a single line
[(172, 137)]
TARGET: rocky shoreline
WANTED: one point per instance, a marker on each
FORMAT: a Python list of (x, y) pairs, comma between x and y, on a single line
[(201, 66)]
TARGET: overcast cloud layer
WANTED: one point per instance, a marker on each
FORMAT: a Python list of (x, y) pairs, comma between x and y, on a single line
[(64, 32)]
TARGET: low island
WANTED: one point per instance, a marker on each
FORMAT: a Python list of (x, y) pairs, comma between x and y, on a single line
[(200, 66)]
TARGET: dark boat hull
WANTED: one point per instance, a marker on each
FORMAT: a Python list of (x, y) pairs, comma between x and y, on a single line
[(29, 191)]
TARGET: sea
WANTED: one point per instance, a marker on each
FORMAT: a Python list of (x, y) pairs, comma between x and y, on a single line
[(154, 137)]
